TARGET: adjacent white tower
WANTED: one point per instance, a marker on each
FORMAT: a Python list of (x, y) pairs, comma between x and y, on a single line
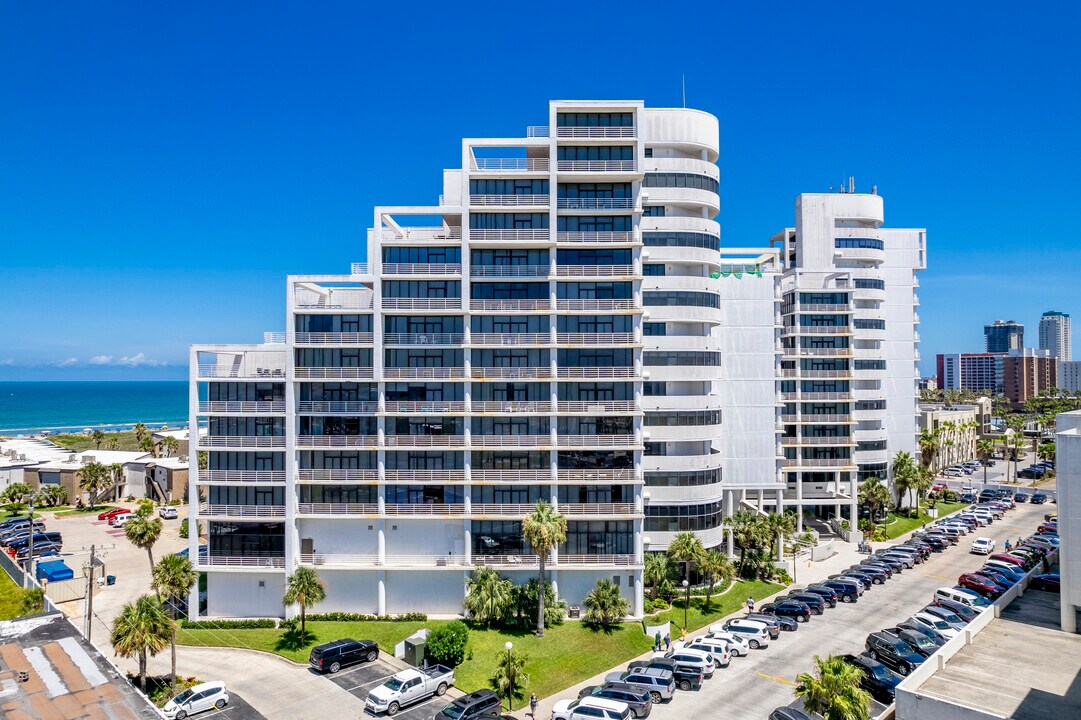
[(1055, 335)]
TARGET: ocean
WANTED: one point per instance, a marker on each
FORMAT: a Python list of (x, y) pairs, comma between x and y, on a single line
[(30, 407)]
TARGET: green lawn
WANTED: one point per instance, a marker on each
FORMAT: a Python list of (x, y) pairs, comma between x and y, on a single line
[(896, 527), (4, 514), (726, 604), (556, 661), (79, 442), (68, 510), (10, 597)]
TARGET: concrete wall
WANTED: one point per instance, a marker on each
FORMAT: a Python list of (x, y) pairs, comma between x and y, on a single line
[(241, 595), (350, 591), (1068, 467)]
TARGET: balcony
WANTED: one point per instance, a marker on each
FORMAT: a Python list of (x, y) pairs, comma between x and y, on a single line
[(532, 200), (511, 165), (422, 268), (333, 338), (511, 441), (231, 477), (512, 510), (358, 268), (815, 374), (819, 330), (349, 441), (421, 303), (622, 131), (599, 339), (338, 509), (809, 396), (817, 419), (351, 560), (336, 476), (819, 441), (509, 271), (600, 237), (424, 373), (423, 441), (595, 271), (424, 407), (270, 562), (242, 441), (820, 462), (594, 509), (592, 476), (445, 339), (595, 203), (512, 373), (501, 477), (591, 166), (240, 370), (423, 477), (822, 308), (596, 407), (818, 352), (511, 236), (594, 305), (244, 511), (511, 306), (333, 373), (422, 236), (338, 407), (598, 441), (536, 131), (595, 373), (500, 339), (307, 297), (248, 407)]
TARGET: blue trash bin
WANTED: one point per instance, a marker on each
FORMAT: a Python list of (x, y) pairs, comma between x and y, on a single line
[(110, 579)]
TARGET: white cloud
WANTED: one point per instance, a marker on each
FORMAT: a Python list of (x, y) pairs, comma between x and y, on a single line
[(140, 359), (7, 361), (101, 359), (66, 363)]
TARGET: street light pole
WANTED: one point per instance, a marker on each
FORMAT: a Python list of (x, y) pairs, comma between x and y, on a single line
[(687, 601), (512, 676), (30, 548)]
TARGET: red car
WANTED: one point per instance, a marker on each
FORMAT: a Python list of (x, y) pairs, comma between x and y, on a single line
[(1012, 559), (117, 513), (1048, 528), (109, 513), (939, 486), (980, 585)]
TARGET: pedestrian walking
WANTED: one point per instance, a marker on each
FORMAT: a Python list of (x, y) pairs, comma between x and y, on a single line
[(750, 605), (667, 642), (533, 705), (683, 635), (657, 641)]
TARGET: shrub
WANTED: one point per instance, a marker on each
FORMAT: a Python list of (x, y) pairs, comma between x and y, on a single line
[(648, 606), (184, 528), (845, 525), (446, 643), (263, 624), (604, 605), (950, 496), (782, 577), (660, 604), (361, 617)]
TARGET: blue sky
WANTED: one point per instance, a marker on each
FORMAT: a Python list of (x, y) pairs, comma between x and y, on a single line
[(163, 168)]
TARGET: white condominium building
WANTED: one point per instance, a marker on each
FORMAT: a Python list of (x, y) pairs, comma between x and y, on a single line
[(849, 338), (1055, 335), (552, 329)]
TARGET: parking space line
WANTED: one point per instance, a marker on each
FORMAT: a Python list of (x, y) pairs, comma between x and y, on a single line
[(777, 679), (936, 577)]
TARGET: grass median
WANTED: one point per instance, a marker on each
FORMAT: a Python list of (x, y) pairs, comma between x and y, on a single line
[(566, 655)]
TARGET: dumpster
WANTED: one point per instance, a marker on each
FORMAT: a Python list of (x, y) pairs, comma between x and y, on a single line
[(53, 571), (110, 579)]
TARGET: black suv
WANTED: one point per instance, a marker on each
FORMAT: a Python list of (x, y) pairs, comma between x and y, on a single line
[(893, 652), (848, 591), (333, 656), (827, 594), (877, 679), (812, 600), (471, 706), (924, 645), (790, 608)]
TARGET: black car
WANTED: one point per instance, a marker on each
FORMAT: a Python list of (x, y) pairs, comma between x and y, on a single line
[(878, 679), (333, 656), (42, 537), (968, 498), (923, 550), (963, 611), (827, 594), (639, 701), (811, 600), (865, 578), (473, 706), (848, 591), (893, 652), (789, 713), (893, 563), (995, 576), (876, 573), (788, 608), (1020, 497), (938, 544), (911, 624), (923, 644)]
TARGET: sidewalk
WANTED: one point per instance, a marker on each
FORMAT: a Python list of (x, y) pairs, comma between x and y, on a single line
[(807, 573)]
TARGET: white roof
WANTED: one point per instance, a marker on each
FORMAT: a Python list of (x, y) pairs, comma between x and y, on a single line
[(35, 451), (108, 457), (179, 433), (173, 463)]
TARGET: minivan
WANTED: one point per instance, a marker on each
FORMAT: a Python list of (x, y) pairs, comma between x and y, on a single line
[(333, 656), (750, 630), (472, 706), (658, 682), (965, 597)]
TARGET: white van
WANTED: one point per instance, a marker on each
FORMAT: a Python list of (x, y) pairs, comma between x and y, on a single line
[(755, 633), (959, 596)]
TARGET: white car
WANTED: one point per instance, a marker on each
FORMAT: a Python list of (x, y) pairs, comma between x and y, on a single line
[(168, 512), (981, 520), (121, 520), (983, 546), (936, 623), (196, 699), (698, 659), (952, 472), (736, 645), (594, 707), (715, 647)]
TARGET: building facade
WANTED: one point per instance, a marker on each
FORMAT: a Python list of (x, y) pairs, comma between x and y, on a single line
[(1003, 336), (1055, 335), (1068, 467), (978, 372), (1027, 373), (555, 333), (849, 348), (1069, 375), (959, 427)]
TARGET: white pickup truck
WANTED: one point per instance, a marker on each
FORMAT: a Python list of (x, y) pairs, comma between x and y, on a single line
[(408, 687)]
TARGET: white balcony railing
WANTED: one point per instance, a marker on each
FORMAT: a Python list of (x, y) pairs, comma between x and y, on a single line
[(597, 338), (424, 373), (532, 200), (819, 462), (364, 407), (510, 305), (420, 477), (422, 268), (333, 338), (256, 511), (423, 338), (510, 271), (510, 338), (594, 475), (509, 407), (574, 509), (597, 407), (591, 271), (421, 303), (240, 371), (605, 441), (595, 203), (254, 407), (350, 441), (243, 441), (536, 131), (392, 441), (241, 561), (596, 560), (451, 235), (576, 305), (320, 476), (512, 373), (535, 475), (433, 407), (601, 237), (595, 165), (338, 508), (621, 131), (359, 268), (242, 476), (820, 308), (820, 330), (512, 235), (823, 419), (589, 373), (511, 441), (819, 441), (815, 374), (511, 164), (333, 373)]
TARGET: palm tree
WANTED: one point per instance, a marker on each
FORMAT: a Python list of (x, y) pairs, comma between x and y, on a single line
[(544, 529), (92, 479), (985, 448), (604, 605), (929, 442), (925, 480), (779, 526), (140, 432), (835, 693), (172, 578), (99, 437), (304, 588), (114, 444), (658, 574), (875, 495), (714, 566), (142, 628), (487, 595), (904, 474), (1047, 451), (510, 677), (686, 548), (170, 444), (748, 533), (52, 495), (143, 530), (148, 445)]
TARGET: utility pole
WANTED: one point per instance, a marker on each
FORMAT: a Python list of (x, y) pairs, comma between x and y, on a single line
[(90, 596), (30, 547)]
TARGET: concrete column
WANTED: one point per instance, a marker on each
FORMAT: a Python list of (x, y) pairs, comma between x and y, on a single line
[(381, 542), (381, 597), (639, 596), (799, 502), (731, 544)]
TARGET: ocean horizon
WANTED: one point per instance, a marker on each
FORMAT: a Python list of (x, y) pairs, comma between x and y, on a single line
[(31, 406)]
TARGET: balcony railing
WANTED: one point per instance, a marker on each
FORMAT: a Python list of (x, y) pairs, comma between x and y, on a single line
[(321, 441), (392, 441), (589, 373), (510, 305), (421, 303), (422, 268), (596, 406), (240, 371), (593, 475), (434, 407), (333, 338), (335, 476), (815, 374), (333, 373), (816, 419), (574, 509), (254, 407), (360, 268), (819, 462), (452, 235), (600, 237), (510, 271), (596, 560), (820, 308), (338, 508), (511, 441), (590, 271), (819, 352), (595, 165), (353, 560), (535, 475), (241, 476), (586, 441), (621, 131), (510, 338), (511, 406), (511, 164), (424, 373), (245, 441), (276, 561), (820, 330), (511, 509), (536, 131), (818, 441), (257, 511), (512, 373), (589, 305), (532, 200), (365, 407), (423, 338), (597, 338), (595, 203), (421, 477), (512, 235)]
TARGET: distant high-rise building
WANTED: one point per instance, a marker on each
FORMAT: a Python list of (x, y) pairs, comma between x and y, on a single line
[(1069, 375), (978, 372), (1027, 373), (1055, 335), (1003, 336)]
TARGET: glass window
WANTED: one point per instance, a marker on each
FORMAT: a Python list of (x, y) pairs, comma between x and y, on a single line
[(681, 239)]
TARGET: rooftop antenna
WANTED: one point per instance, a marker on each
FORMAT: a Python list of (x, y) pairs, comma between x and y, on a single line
[(683, 83)]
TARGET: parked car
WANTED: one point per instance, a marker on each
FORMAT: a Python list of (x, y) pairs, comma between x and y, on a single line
[(1013, 571), (45, 549), (827, 594), (471, 707), (167, 512), (330, 657), (658, 682), (968, 497), (789, 713), (1049, 582), (923, 644), (848, 591), (893, 652), (1020, 497), (409, 687), (1011, 559), (938, 544), (203, 552), (877, 679), (877, 574), (197, 699), (51, 536), (700, 660), (1039, 499), (960, 596), (967, 613), (923, 628), (935, 623), (789, 608), (687, 677), (955, 620), (110, 513), (811, 600), (597, 707), (119, 512), (1028, 561), (718, 650), (119, 521), (736, 645), (983, 546), (639, 701), (919, 549), (999, 577), (773, 624), (750, 630)]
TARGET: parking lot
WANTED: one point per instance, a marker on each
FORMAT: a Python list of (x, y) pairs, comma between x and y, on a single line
[(237, 709), (753, 686), (358, 680)]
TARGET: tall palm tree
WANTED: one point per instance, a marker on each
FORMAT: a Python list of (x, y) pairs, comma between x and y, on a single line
[(686, 548), (487, 595), (544, 529), (170, 445), (748, 534), (98, 437), (142, 628), (147, 445), (658, 574), (143, 530), (924, 481), (985, 448), (904, 474), (929, 442), (140, 432), (835, 693), (92, 478), (172, 578), (715, 566), (1047, 451), (304, 588), (114, 444), (779, 526), (604, 605), (875, 495)]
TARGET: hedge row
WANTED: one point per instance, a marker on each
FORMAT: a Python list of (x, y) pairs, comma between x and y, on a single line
[(229, 624), (361, 617)]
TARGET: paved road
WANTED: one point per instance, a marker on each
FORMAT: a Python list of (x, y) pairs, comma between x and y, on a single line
[(237, 709), (753, 686)]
